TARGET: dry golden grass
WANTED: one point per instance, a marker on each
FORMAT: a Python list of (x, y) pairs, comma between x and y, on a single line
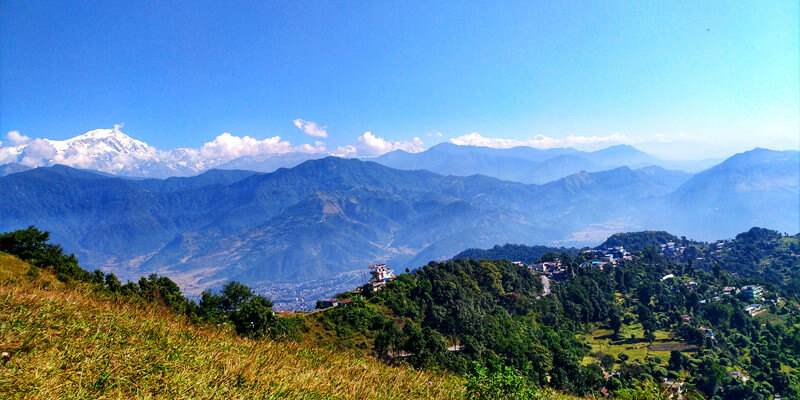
[(69, 343)]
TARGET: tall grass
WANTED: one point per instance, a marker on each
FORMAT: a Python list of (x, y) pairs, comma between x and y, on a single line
[(68, 342)]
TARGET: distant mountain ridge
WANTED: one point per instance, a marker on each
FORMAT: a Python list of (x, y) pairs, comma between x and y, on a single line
[(330, 217), (12, 168), (519, 164)]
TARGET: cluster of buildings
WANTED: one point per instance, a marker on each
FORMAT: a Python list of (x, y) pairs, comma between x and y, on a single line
[(596, 258), (609, 256), (551, 267), (670, 249), (739, 375), (750, 292), (708, 332)]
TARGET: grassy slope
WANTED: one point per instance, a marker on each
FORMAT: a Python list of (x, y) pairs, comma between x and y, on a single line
[(68, 342)]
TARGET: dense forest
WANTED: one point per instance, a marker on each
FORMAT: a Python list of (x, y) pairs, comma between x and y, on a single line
[(716, 320)]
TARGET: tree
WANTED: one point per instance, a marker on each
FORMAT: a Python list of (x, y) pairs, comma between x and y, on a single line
[(253, 317), (164, 290), (615, 321), (676, 359), (210, 308), (112, 283), (98, 277), (711, 376), (234, 295), (27, 244)]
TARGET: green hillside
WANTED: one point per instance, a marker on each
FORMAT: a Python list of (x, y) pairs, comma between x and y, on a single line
[(649, 326)]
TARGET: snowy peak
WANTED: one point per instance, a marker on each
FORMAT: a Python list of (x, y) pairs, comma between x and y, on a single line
[(107, 142), (106, 150), (112, 151)]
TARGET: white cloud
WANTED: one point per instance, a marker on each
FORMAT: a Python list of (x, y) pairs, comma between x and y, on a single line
[(37, 153), (228, 147), (369, 145), (16, 138), (80, 159), (345, 151), (311, 128), (538, 141), (436, 133), (9, 155)]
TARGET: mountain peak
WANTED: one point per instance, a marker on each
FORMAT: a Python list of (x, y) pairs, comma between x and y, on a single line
[(100, 134)]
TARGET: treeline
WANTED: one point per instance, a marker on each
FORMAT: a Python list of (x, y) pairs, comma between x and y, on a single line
[(248, 313), (514, 252), (638, 241)]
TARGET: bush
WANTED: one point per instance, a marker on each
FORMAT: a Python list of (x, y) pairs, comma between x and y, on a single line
[(33, 272), (254, 317), (644, 390), (499, 383)]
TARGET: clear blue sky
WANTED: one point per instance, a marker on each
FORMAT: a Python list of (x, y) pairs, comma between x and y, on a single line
[(178, 74)]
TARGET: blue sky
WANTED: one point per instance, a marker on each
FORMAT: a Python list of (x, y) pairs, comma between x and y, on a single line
[(178, 74)]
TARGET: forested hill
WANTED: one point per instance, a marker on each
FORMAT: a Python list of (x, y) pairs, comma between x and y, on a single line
[(514, 252), (691, 317), (637, 241), (632, 241), (759, 253)]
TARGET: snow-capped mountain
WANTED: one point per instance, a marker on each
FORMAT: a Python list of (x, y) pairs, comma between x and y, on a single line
[(107, 150), (111, 151)]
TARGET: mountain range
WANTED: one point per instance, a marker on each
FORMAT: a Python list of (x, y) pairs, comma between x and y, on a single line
[(320, 223), (527, 164), (112, 151)]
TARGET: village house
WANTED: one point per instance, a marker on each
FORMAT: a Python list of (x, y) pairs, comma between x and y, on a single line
[(751, 292), (707, 331), (753, 309), (329, 303), (380, 275), (729, 289), (738, 375)]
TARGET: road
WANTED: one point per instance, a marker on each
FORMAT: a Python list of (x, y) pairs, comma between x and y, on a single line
[(546, 284)]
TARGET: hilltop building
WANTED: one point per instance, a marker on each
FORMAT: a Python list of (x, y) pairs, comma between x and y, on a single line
[(380, 275)]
